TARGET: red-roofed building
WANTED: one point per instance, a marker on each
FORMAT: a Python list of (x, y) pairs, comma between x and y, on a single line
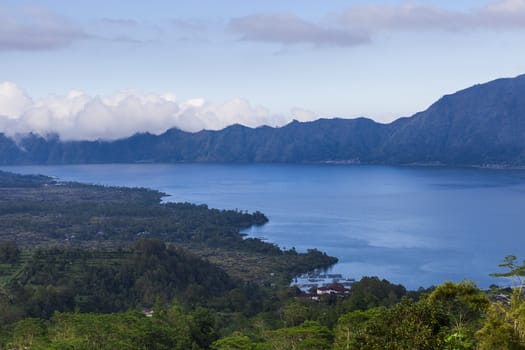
[(335, 288)]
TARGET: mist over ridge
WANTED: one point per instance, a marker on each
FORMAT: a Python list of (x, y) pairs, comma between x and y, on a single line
[(481, 125), (77, 116)]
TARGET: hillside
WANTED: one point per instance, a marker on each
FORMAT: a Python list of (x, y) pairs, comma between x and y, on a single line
[(37, 212), (481, 125), (484, 124)]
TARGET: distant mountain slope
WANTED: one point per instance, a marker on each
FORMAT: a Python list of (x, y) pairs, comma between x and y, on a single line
[(484, 124), (481, 125), (322, 140)]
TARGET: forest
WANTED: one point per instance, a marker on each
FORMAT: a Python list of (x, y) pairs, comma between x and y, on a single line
[(94, 267)]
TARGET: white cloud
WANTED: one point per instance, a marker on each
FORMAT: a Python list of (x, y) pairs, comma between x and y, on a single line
[(406, 16), (505, 7), (417, 16), (36, 29), (289, 29), (359, 23), (303, 115), (503, 14), (78, 116), (13, 101)]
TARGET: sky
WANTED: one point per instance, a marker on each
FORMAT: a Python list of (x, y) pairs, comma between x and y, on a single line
[(108, 69)]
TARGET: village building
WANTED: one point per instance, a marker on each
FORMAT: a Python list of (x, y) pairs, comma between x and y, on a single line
[(333, 289)]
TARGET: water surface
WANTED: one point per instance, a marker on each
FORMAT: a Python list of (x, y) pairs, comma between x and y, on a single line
[(415, 226)]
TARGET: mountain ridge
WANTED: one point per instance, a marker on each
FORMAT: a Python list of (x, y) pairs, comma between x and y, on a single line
[(477, 126)]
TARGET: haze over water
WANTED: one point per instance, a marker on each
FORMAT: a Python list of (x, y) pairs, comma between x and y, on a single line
[(415, 226)]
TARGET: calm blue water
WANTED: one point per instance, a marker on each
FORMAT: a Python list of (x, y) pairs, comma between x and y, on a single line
[(415, 226)]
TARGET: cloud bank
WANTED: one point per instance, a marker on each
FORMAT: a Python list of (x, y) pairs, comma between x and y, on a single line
[(32, 29), (289, 29), (37, 28), (78, 116), (414, 16), (358, 24)]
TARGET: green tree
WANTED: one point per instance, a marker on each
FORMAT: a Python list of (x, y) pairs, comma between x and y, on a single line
[(406, 325), (350, 328), (9, 252), (308, 336), (464, 304), (504, 325), (29, 333), (372, 292), (515, 271), (202, 328), (234, 342), (294, 314), (498, 330)]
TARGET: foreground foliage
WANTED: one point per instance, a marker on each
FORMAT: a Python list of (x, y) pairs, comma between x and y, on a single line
[(451, 316)]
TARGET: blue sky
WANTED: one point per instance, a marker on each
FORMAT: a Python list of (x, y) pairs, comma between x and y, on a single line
[(206, 64)]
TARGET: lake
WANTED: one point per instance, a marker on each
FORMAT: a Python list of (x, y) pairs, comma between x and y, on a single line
[(411, 225)]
